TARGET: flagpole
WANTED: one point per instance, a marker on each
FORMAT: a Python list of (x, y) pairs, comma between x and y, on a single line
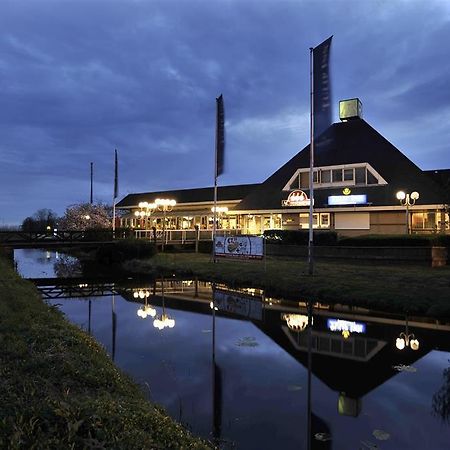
[(116, 193), (311, 169), (215, 201), (218, 163), (92, 183)]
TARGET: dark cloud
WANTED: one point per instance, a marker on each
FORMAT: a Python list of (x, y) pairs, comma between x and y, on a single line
[(80, 78)]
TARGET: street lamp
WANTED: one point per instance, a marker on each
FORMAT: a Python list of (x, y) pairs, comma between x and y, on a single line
[(406, 339), (407, 200), (165, 205), (146, 210)]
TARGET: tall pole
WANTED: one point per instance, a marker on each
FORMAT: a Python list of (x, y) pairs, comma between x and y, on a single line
[(311, 170), (92, 183), (164, 229), (309, 409), (215, 192)]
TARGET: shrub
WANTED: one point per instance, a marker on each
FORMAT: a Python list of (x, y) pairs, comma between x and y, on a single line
[(300, 237), (125, 249), (379, 240)]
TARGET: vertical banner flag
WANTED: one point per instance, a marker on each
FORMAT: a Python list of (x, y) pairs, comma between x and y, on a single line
[(116, 176), (220, 136), (322, 87)]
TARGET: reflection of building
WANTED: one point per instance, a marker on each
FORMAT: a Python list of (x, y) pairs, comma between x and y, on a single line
[(356, 178)]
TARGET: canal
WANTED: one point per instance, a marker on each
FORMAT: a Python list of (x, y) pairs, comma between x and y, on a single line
[(232, 365)]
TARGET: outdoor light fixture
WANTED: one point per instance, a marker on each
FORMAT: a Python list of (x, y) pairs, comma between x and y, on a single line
[(165, 205), (146, 210), (219, 209), (407, 200), (406, 339)]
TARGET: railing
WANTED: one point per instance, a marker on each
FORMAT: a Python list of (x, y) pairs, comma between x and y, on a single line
[(183, 236), (19, 237)]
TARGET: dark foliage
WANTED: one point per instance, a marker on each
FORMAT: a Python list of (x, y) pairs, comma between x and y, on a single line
[(441, 400), (300, 237), (40, 220), (394, 241), (124, 250)]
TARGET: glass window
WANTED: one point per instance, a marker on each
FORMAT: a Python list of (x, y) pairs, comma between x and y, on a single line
[(325, 220), (337, 175), (304, 180), (371, 178), (360, 175), (325, 176), (316, 176), (348, 174)]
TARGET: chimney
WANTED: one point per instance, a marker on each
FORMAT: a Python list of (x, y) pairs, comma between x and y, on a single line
[(350, 109)]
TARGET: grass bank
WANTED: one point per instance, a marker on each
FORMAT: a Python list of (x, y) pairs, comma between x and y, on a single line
[(60, 390), (416, 290)]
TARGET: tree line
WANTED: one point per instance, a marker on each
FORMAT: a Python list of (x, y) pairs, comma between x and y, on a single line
[(82, 216)]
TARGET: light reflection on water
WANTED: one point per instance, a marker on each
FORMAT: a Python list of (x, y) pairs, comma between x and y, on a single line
[(365, 392)]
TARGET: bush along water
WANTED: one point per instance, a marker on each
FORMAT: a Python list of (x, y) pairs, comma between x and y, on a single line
[(124, 250)]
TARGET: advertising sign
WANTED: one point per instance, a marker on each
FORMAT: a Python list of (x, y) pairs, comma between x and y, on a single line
[(239, 303), (346, 325), (296, 198), (251, 247), (334, 200)]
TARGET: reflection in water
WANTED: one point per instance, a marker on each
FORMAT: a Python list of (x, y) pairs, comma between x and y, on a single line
[(441, 400), (67, 266), (355, 387)]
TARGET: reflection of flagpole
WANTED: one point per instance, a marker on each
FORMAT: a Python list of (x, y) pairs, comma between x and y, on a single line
[(89, 317), (216, 378), (309, 423), (114, 326)]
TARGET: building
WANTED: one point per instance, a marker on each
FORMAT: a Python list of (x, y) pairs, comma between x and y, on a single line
[(357, 176)]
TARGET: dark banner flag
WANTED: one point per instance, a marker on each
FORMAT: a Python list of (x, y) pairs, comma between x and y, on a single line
[(220, 136), (322, 87), (116, 176)]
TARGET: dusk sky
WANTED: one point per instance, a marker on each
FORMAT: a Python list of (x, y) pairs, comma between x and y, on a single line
[(81, 78)]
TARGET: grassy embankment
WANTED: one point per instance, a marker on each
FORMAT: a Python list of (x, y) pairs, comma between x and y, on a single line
[(412, 289), (60, 390)]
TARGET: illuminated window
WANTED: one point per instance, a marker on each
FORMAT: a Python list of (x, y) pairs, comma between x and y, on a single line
[(320, 220)]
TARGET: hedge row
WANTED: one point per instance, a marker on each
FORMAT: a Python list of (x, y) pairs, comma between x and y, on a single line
[(125, 249), (300, 237), (330, 238)]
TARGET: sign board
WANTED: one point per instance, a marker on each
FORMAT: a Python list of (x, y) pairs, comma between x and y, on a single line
[(239, 303), (296, 198), (346, 325), (248, 247), (334, 200)]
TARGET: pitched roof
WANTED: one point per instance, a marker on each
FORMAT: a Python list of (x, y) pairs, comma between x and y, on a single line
[(349, 142), (224, 193)]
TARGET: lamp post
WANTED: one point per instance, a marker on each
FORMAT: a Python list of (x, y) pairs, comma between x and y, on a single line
[(146, 210), (407, 200), (406, 339), (165, 205)]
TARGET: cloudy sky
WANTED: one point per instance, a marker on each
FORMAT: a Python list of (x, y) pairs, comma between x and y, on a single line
[(81, 78)]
